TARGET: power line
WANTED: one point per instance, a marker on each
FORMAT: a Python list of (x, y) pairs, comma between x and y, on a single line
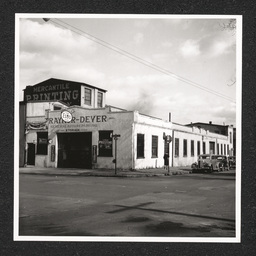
[(138, 59)]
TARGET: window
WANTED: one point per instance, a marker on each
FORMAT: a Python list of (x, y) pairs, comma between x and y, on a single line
[(224, 149), (203, 147), (221, 149), (42, 143), (192, 148), (218, 148), (177, 145), (56, 108), (100, 100), (105, 143), (230, 137), (154, 146), (227, 149), (140, 145), (87, 96), (198, 148), (185, 149)]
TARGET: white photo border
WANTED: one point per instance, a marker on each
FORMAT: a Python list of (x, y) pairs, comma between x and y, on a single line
[(237, 238)]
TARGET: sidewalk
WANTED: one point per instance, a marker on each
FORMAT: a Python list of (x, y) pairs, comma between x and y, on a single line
[(104, 172)]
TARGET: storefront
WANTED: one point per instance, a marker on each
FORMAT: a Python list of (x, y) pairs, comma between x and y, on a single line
[(83, 138)]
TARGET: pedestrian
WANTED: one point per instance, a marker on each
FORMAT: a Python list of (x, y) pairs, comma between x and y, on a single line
[(166, 161)]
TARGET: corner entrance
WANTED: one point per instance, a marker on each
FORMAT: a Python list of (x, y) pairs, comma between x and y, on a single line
[(74, 150)]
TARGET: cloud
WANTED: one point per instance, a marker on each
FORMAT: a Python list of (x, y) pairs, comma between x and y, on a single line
[(167, 44), (47, 51), (190, 48), (138, 38), (226, 113), (50, 40), (220, 47)]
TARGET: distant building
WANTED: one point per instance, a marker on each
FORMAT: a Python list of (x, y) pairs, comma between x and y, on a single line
[(68, 124), (227, 130)]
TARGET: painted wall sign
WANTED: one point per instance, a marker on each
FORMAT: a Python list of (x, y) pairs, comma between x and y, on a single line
[(53, 89), (79, 119)]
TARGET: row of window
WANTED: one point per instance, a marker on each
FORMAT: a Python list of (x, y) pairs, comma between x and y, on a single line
[(221, 149), (154, 146), (106, 147), (88, 98)]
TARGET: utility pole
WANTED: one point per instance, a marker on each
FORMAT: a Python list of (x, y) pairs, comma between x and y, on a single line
[(115, 136)]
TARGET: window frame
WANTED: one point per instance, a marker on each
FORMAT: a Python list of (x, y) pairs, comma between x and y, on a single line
[(192, 148), (198, 147), (176, 147), (140, 145), (154, 146), (185, 147), (98, 98), (85, 99), (42, 148), (204, 147), (104, 152)]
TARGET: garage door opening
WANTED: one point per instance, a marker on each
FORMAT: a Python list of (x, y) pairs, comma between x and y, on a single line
[(74, 150)]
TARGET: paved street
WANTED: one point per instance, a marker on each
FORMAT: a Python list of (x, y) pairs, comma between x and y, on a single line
[(192, 205)]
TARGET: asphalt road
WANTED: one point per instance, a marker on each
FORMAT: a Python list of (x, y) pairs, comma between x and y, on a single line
[(195, 205)]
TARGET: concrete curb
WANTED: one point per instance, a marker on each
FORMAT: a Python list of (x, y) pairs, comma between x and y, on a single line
[(101, 174)]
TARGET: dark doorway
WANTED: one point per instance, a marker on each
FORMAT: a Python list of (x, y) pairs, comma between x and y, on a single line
[(74, 150), (31, 154), (212, 147)]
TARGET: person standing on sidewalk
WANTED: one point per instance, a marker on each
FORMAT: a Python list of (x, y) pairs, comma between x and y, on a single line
[(166, 161)]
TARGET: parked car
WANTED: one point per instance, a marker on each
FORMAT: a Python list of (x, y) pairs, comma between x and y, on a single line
[(232, 162), (223, 163), (210, 163)]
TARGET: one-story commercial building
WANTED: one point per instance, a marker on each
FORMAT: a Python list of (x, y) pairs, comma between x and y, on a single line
[(66, 124)]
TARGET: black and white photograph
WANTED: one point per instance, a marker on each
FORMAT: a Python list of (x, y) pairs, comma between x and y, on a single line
[(127, 128)]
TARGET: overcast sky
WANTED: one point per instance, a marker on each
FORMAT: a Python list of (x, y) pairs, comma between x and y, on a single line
[(196, 49)]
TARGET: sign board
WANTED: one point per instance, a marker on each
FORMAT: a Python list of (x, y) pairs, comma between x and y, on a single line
[(53, 90), (94, 154), (52, 153)]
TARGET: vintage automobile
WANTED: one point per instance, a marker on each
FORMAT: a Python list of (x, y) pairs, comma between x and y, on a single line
[(232, 162), (210, 163), (224, 163)]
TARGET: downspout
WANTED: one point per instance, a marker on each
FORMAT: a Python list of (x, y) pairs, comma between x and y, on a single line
[(173, 147)]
